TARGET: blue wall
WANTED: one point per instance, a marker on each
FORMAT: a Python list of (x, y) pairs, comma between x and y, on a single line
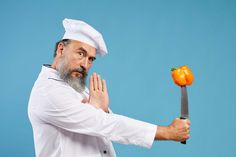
[(145, 40)]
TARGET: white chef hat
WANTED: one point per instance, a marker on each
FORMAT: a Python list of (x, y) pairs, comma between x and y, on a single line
[(83, 32)]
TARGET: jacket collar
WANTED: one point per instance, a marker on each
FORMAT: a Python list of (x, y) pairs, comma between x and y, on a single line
[(50, 72)]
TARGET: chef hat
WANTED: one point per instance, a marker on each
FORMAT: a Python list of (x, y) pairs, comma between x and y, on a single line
[(81, 31)]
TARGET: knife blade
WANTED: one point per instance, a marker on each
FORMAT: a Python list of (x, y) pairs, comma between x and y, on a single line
[(184, 105)]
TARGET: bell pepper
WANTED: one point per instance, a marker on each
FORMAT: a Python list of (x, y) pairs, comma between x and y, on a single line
[(182, 76)]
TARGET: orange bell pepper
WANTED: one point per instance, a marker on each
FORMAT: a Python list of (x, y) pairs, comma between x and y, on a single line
[(182, 76)]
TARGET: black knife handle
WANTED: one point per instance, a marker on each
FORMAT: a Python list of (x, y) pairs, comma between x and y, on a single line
[(183, 142)]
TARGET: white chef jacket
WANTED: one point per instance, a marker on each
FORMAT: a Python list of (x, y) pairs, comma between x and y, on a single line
[(65, 127)]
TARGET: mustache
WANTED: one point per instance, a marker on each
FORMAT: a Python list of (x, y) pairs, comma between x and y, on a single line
[(81, 70)]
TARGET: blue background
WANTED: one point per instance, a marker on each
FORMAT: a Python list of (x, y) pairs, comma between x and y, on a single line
[(145, 40)]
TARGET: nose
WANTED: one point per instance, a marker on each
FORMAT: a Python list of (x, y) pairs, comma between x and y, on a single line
[(84, 63)]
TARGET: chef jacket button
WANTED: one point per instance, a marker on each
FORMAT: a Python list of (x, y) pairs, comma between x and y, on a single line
[(104, 151)]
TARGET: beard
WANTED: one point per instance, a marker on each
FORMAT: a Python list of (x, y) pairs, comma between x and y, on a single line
[(78, 83)]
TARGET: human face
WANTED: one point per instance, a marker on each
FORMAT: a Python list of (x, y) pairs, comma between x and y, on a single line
[(79, 55), (75, 59)]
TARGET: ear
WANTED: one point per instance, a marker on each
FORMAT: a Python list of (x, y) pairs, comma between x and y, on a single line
[(60, 48)]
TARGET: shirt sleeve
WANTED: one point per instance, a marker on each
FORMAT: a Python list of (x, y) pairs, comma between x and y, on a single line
[(62, 107)]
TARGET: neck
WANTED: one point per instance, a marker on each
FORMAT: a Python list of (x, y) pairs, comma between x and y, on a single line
[(54, 63)]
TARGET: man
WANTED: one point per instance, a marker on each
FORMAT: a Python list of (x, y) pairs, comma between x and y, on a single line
[(69, 120)]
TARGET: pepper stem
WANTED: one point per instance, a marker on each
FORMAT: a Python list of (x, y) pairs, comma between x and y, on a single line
[(172, 69)]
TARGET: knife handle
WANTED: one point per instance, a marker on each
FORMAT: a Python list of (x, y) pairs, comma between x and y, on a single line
[(183, 142)]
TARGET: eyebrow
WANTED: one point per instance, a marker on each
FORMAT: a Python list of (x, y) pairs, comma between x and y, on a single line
[(82, 49)]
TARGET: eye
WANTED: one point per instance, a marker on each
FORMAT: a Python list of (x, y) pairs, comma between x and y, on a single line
[(81, 54), (91, 60)]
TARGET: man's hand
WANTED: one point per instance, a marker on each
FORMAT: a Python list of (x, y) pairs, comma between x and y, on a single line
[(98, 95), (178, 130)]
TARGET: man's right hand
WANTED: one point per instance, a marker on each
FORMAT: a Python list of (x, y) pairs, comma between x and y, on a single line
[(98, 95), (178, 130)]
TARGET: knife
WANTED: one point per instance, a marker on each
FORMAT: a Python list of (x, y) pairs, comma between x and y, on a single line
[(184, 105)]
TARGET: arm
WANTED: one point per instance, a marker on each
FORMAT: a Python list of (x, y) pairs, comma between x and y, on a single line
[(177, 131), (61, 106)]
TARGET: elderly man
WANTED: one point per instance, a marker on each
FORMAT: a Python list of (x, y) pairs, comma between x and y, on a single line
[(70, 120)]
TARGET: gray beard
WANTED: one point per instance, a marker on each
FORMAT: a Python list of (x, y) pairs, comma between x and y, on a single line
[(77, 83)]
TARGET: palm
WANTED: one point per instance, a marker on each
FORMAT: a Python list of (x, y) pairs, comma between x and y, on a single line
[(98, 95)]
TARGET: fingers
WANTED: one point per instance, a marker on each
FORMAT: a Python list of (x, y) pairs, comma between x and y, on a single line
[(98, 95), (187, 129), (186, 124), (96, 83), (104, 86), (99, 82), (91, 87), (93, 82), (182, 127), (187, 121)]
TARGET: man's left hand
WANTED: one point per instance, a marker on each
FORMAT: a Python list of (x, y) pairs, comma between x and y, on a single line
[(98, 95)]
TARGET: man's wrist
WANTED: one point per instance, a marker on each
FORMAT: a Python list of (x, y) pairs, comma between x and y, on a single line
[(163, 133)]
